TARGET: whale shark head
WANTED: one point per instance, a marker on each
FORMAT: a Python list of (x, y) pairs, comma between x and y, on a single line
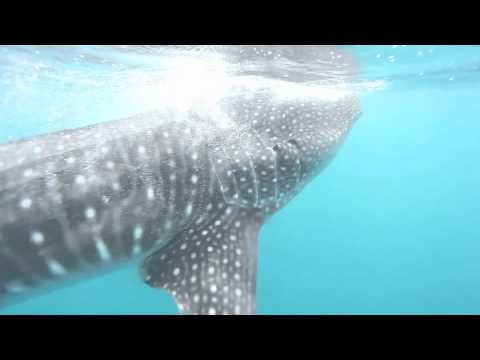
[(282, 138), (312, 125)]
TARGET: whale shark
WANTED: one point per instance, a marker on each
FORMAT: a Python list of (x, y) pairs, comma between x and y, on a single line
[(182, 191)]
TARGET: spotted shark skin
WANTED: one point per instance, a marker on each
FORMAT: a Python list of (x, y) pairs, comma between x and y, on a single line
[(186, 196)]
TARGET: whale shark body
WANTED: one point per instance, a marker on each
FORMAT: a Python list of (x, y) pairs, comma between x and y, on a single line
[(185, 192)]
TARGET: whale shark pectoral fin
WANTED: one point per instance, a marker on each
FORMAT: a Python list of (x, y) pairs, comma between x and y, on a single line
[(209, 269)]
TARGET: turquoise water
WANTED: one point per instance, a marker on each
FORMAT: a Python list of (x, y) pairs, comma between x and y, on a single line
[(391, 227)]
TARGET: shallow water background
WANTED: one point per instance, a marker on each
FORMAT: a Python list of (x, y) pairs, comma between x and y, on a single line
[(391, 227)]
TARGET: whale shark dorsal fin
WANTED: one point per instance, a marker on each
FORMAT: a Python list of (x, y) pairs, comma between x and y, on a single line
[(210, 268)]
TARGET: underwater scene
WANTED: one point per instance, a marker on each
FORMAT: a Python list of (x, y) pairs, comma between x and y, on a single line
[(239, 179)]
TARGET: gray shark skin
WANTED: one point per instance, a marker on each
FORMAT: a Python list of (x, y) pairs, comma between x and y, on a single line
[(184, 192)]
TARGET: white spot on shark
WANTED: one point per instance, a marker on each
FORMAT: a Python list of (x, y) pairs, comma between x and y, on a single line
[(102, 249), (70, 160), (150, 193), (90, 213), (37, 237), (28, 173), (26, 203), (80, 180), (189, 209), (55, 267)]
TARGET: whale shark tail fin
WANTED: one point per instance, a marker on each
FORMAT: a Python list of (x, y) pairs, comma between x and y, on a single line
[(210, 268)]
